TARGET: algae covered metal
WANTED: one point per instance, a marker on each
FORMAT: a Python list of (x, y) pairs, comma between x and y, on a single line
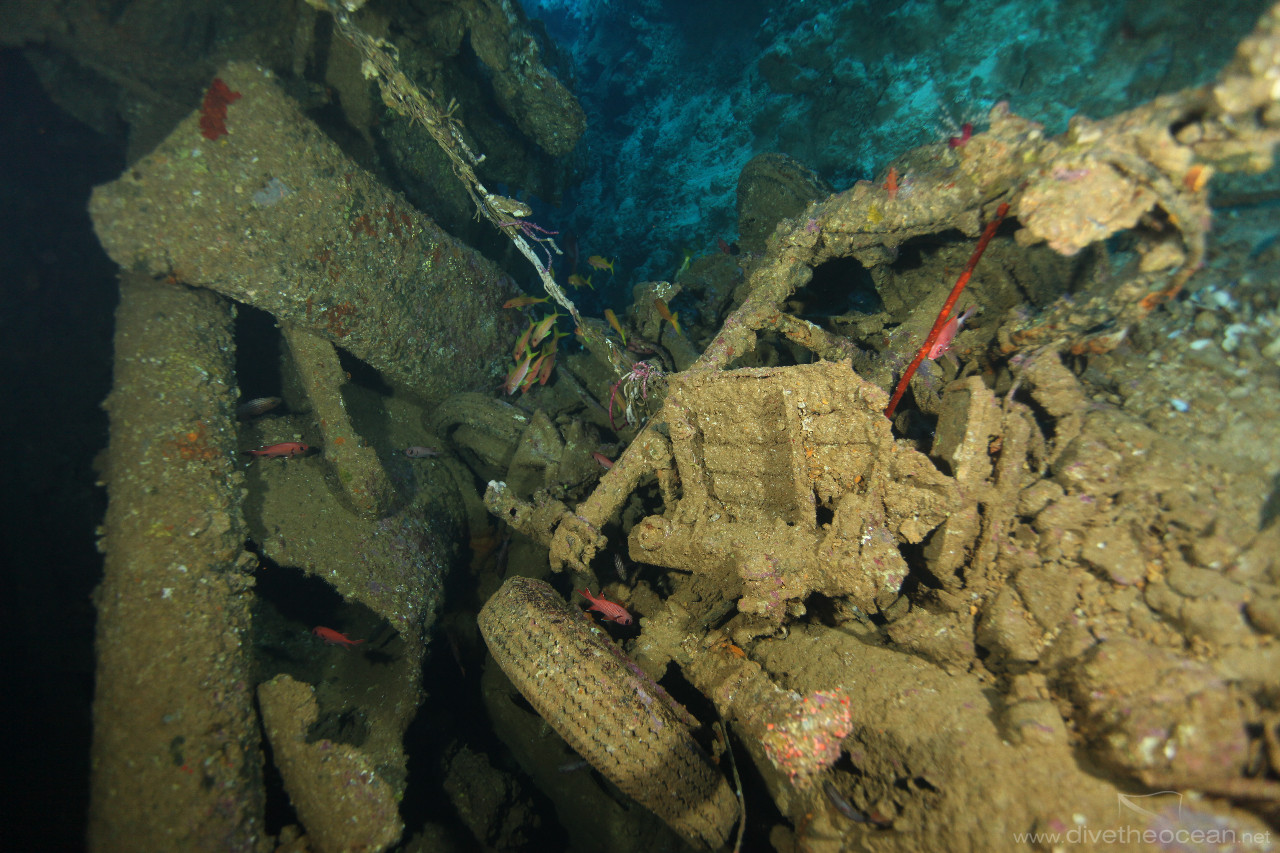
[(274, 215)]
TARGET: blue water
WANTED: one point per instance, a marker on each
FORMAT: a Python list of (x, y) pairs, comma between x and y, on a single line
[(680, 95)]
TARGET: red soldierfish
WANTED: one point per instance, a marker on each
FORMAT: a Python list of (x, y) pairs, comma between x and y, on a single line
[(283, 450), (335, 638), (610, 610), (949, 330), (891, 185)]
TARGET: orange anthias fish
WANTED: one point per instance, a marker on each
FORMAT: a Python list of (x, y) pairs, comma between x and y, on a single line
[(335, 638), (524, 301), (599, 263), (613, 321), (665, 313)]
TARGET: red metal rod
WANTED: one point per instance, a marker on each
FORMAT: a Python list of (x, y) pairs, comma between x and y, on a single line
[(987, 234)]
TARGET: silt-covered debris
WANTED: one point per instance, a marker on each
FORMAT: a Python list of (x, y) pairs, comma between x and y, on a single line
[(1026, 574)]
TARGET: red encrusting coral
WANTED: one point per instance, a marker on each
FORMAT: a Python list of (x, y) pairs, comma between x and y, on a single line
[(213, 112)]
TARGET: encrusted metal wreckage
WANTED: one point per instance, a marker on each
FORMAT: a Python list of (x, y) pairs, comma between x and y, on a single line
[(893, 618)]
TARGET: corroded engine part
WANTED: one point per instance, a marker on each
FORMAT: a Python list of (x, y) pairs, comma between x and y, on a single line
[(274, 215), (176, 763), (608, 710), (773, 187), (395, 566), (526, 451), (527, 91), (336, 789), (485, 431), (574, 537), (359, 479), (760, 454)]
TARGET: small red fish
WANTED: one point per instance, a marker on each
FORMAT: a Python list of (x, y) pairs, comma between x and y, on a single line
[(605, 461), (948, 333), (335, 638), (283, 450), (891, 183), (610, 610), (966, 132)]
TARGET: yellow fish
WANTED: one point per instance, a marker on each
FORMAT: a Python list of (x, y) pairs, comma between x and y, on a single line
[(522, 343), (517, 375), (665, 313), (556, 335), (578, 281), (523, 301), (613, 321), (543, 328), (544, 373), (532, 376), (599, 263)]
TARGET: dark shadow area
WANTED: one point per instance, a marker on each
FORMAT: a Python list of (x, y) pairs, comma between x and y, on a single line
[(59, 298), (258, 343), (840, 286)]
